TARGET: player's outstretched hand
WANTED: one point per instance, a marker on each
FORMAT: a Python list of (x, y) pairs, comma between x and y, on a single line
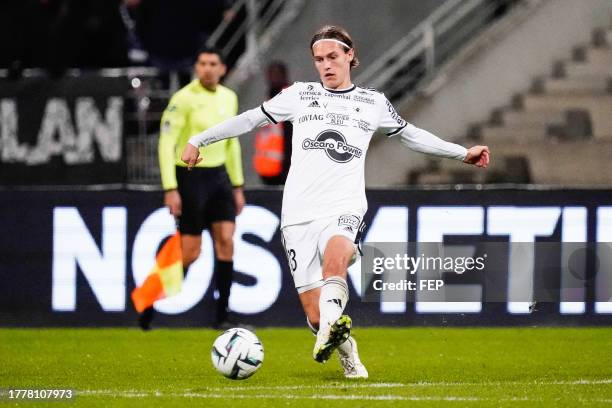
[(478, 156), (191, 156)]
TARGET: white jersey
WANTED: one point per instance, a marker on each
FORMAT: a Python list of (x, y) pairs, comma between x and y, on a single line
[(331, 134)]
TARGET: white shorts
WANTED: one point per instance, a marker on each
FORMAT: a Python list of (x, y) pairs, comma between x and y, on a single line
[(305, 244)]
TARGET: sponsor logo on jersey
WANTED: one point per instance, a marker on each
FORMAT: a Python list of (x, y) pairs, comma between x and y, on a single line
[(310, 117), (364, 99), (362, 124), (336, 118), (310, 93), (335, 146), (340, 96), (349, 221), (395, 115), (335, 106), (314, 104)]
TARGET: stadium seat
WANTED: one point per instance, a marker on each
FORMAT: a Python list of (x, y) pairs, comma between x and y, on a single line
[(563, 118)]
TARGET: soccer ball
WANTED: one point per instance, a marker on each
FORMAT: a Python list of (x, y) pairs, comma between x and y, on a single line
[(237, 354)]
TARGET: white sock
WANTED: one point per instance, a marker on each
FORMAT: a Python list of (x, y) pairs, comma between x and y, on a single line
[(333, 299)]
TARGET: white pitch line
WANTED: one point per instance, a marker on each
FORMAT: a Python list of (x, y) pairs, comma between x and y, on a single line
[(369, 385), (212, 392), (406, 385), (131, 394), (500, 383), (300, 387)]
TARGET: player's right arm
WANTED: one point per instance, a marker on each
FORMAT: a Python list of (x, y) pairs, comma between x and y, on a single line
[(277, 109), (236, 126), (172, 124)]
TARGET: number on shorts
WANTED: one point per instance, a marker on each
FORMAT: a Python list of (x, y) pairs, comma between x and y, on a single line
[(292, 260)]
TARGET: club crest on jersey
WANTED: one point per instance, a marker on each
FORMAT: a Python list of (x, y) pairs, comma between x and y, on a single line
[(335, 146)]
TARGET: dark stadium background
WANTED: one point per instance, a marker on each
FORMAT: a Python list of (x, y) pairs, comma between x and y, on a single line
[(83, 84)]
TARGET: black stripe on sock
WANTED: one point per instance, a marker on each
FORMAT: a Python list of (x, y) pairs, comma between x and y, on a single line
[(335, 282), (342, 286)]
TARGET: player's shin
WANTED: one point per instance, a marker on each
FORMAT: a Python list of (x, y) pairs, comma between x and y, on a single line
[(332, 301), (334, 328)]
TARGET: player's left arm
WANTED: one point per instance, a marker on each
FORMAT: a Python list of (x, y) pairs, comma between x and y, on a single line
[(423, 141)]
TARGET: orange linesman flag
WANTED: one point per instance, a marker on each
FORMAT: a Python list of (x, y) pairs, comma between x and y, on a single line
[(165, 279)]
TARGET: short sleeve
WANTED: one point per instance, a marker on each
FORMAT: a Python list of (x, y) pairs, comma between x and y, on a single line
[(390, 121), (282, 106)]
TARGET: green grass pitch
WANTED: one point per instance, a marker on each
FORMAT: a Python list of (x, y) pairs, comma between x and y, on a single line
[(408, 367)]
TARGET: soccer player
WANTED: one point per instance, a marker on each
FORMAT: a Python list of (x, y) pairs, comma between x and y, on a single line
[(324, 198), (211, 195)]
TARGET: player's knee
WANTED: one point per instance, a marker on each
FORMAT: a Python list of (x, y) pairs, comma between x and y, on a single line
[(338, 254), (335, 266)]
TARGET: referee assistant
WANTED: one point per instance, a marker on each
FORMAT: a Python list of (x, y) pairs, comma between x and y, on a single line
[(210, 196)]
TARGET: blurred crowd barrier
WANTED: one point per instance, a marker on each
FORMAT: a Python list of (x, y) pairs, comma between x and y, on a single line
[(83, 129)]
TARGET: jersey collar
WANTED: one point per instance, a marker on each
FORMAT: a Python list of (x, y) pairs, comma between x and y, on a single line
[(341, 91)]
